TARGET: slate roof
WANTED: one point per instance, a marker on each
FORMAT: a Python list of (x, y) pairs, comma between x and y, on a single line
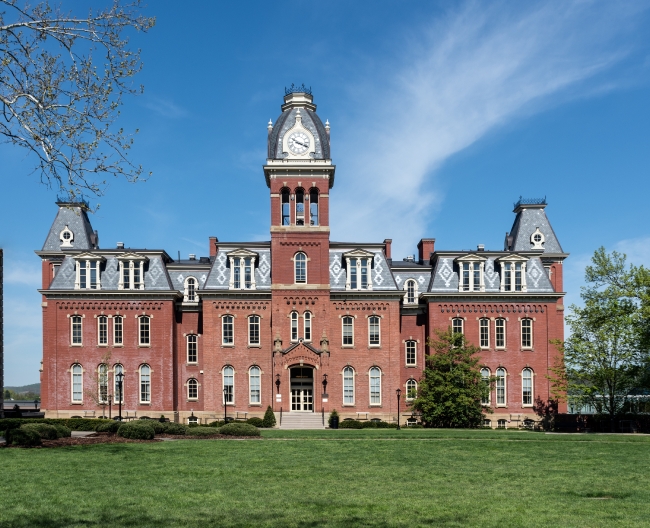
[(382, 278), (219, 276), (77, 221), (311, 122), (528, 219)]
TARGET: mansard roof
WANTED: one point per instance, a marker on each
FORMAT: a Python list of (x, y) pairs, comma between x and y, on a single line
[(530, 217), (75, 218)]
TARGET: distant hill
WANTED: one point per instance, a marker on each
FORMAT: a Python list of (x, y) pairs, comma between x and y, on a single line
[(34, 388)]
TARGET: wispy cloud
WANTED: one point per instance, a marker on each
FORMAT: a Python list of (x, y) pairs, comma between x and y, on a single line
[(461, 76), (165, 107), (26, 273)]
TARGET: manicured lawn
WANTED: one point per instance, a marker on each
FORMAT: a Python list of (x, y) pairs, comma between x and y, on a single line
[(338, 478)]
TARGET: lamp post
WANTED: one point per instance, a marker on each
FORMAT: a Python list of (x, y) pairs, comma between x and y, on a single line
[(110, 398), (225, 402), (120, 378), (277, 382), (399, 393), (324, 383)]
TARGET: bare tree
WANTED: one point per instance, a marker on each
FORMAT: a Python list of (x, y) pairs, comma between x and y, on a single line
[(62, 81)]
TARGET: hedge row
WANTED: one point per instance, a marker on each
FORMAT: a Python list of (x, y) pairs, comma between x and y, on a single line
[(356, 424), (31, 434), (74, 424)]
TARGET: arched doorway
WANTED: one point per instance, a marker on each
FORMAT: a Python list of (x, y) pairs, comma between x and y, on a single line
[(302, 389)]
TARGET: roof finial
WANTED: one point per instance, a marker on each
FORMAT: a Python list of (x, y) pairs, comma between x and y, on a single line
[(270, 125), (327, 124)]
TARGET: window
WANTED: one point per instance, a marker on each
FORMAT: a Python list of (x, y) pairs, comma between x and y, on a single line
[(348, 330), (300, 265), (145, 384), (88, 274), (501, 387), (374, 333), (300, 207), (145, 338), (411, 390), (358, 277), (501, 424), (526, 333), (513, 276), (411, 353), (227, 330), (191, 285), (228, 385), (500, 327), (457, 324), (254, 330), (102, 383), (118, 369), (485, 374), (192, 389), (55, 269), (348, 386), (286, 217), (313, 207), (192, 348), (411, 292), (131, 273), (375, 386), (484, 331), (471, 276), (77, 383), (242, 276), (527, 387), (102, 330), (76, 337), (307, 322), (294, 326), (254, 384)]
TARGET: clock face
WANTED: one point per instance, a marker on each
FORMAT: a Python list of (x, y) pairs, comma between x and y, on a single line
[(298, 143)]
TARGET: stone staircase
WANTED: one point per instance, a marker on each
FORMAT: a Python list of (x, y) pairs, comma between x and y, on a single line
[(298, 420)]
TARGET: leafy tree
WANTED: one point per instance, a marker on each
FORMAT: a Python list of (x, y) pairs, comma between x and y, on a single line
[(603, 358), (62, 81), (451, 390)]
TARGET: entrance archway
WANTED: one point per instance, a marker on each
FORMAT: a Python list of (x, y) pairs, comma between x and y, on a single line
[(302, 389)]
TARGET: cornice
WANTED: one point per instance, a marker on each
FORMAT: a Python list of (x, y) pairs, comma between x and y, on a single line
[(102, 295), (506, 297)]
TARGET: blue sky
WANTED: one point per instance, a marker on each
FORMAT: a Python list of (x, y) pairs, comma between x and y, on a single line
[(442, 115)]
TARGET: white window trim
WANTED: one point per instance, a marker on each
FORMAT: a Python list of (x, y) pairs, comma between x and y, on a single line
[(462, 325), (406, 389), (140, 343), (189, 398), (66, 243), (72, 375), (416, 293), (223, 385), (187, 349), (521, 333), (515, 259), (259, 331), (223, 343), (72, 343), (99, 383), (374, 345), (487, 325), (354, 386), (348, 278), (406, 363), (295, 278), (186, 299), (471, 259), (84, 261), (294, 318), (115, 391), (131, 260), (242, 255), (343, 333), (99, 318), (505, 333), (370, 387), (532, 387), (304, 326), (250, 390), (489, 402), (505, 388), (143, 402)]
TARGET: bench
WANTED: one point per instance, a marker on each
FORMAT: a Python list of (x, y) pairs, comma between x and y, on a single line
[(89, 414), (359, 413), (237, 413)]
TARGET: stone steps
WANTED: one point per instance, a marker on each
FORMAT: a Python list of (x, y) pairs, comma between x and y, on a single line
[(302, 421)]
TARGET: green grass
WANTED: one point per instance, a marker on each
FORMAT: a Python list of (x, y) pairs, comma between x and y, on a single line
[(338, 478)]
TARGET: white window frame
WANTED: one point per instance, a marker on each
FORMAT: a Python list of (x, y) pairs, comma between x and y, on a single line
[(117, 368), (251, 325), (128, 264), (496, 333), (296, 260), (416, 294), (191, 297), (370, 393), (410, 382), (343, 343), (251, 377), (415, 352), (141, 318), (348, 369), (294, 326), (102, 320), (145, 383), (529, 320), (102, 382), (80, 342), (476, 269), (484, 327), (188, 341), (462, 325), (77, 371), (306, 326), (532, 393), (485, 374), (242, 255), (190, 382), (223, 385), (358, 266), (378, 343), (231, 319), (504, 380), (513, 261)]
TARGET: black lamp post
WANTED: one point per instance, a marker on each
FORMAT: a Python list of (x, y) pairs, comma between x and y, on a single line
[(324, 383), (225, 405), (399, 393), (120, 378), (110, 398), (277, 382)]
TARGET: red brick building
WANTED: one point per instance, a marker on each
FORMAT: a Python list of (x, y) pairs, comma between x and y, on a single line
[(300, 322)]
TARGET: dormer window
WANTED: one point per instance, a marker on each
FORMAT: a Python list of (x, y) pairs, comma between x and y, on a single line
[(190, 294), (470, 276), (66, 236), (242, 269), (537, 239), (359, 266), (411, 295), (513, 274), (131, 272), (88, 272)]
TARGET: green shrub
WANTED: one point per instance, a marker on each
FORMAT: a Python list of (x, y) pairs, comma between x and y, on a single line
[(45, 431), (169, 428), (239, 429), (108, 427), (201, 431), (350, 424), (269, 418), (333, 414), (216, 423), (82, 424), (23, 437), (136, 431), (256, 422), (62, 431)]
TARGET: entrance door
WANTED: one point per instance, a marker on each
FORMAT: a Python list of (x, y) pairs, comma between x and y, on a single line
[(302, 389)]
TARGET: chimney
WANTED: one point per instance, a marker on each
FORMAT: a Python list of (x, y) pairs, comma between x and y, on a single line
[(480, 247), (120, 245), (213, 246), (192, 256), (425, 249), (387, 244)]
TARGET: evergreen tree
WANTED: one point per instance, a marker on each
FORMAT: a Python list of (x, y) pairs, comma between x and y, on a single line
[(269, 418)]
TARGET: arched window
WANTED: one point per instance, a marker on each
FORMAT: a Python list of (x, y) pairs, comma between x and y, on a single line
[(526, 333), (411, 353), (145, 336), (294, 326), (286, 215), (500, 333), (527, 387), (228, 385), (374, 331), (254, 376), (191, 285), (192, 348), (145, 384), (77, 383), (411, 288), (375, 386), (102, 383), (313, 206), (118, 369), (254, 330), (457, 325), (411, 390), (102, 330), (300, 265), (307, 322), (118, 330), (484, 332), (501, 387), (300, 207), (485, 374), (227, 330), (348, 386), (76, 334), (192, 389), (348, 330)]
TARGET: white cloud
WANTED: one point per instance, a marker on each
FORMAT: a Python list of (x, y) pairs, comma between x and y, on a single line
[(461, 76), (165, 108), (27, 273)]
